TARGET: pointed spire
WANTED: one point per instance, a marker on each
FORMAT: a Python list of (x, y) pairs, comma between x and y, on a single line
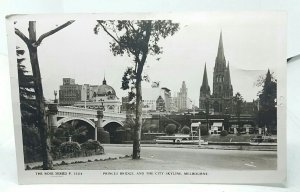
[(220, 60), (221, 48), (104, 81), (228, 69), (205, 86), (205, 81)]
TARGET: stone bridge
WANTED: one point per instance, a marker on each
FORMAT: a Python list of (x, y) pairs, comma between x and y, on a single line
[(67, 113), (101, 121)]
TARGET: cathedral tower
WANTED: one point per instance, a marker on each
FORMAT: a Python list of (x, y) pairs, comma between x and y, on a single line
[(222, 88)]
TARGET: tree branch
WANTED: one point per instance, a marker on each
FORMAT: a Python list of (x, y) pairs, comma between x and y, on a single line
[(130, 24), (42, 37), (22, 36), (109, 33), (114, 38), (147, 38)]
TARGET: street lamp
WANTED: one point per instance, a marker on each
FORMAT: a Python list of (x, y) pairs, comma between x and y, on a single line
[(199, 132)]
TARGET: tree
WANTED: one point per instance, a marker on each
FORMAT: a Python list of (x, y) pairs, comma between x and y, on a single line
[(185, 130), (170, 129), (238, 101), (74, 130), (26, 92), (136, 38), (267, 114), (32, 44), (31, 139)]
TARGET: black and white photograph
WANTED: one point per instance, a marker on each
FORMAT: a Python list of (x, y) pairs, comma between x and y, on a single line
[(152, 98)]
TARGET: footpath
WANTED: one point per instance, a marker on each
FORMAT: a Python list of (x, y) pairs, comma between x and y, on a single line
[(73, 160)]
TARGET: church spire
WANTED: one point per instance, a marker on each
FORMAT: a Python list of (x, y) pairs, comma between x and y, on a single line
[(205, 81), (205, 86), (228, 69), (220, 60)]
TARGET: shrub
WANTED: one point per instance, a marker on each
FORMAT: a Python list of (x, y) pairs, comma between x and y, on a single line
[(186, 130), (80, 138), (224, 133), (92, 145), (170, 129), (31, 144), (69, 147), (152, 128), (56, 142)]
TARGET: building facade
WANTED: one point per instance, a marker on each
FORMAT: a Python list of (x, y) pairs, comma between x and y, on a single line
[(100, 97), (69, 92), (220, 101), (182, 97)]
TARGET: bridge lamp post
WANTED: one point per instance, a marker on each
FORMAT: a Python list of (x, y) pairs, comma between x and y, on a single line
[(55, 99), (99, 123)]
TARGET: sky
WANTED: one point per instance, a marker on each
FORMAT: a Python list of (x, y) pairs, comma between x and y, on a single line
[(252, 45)]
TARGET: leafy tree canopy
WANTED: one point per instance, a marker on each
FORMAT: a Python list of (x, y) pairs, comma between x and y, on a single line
[(136, 38)]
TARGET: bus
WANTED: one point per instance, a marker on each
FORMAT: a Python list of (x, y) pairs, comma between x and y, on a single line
[(179, 139)]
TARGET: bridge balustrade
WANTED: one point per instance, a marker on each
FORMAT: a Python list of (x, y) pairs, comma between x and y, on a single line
[(69, 111)]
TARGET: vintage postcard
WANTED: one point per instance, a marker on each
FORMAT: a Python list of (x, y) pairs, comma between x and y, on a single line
[(149, 98)]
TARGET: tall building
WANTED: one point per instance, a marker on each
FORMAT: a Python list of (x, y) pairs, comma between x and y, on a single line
[(182, 97), (220, 101), (69, 92)]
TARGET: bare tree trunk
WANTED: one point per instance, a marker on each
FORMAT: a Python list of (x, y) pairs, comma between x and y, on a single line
[(138, 121), (41, 121)]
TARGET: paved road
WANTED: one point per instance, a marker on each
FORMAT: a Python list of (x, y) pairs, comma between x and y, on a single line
[(184, 158)]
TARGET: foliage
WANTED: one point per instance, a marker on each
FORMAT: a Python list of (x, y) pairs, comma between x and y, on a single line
[(153, 128), (69, 147), (137, 38), (224, 133), (150, 128), (170, 129), (91, 145), (185, 130), (73, 129), (31, 144), (267, 114), (238, 101), (32, 43), (30, 134), (26, 91), (129, 122)]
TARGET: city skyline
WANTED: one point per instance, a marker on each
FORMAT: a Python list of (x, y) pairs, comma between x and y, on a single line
[(185, 54)]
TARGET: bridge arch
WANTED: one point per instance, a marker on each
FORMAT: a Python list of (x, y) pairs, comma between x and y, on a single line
[(66, 119), (115, 130), (106, 122)]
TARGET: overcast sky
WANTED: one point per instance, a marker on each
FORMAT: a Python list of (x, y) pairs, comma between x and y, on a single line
[(251, 45)]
